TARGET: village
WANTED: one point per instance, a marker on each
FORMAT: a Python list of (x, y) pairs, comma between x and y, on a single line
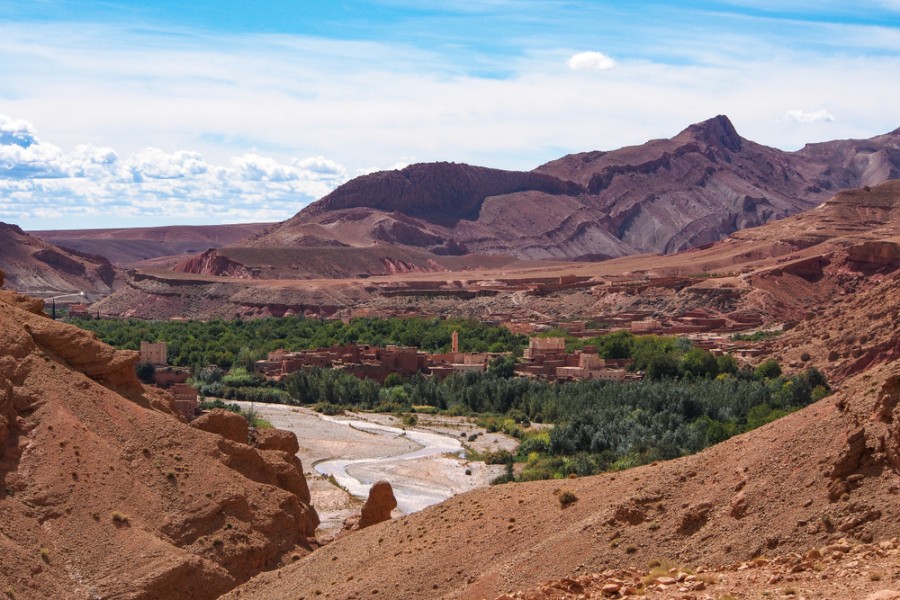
[(545, 357)]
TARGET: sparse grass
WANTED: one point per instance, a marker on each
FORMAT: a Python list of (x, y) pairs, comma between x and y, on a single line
[(653, 526), (119, 518), (567, 498), (789, 591), (45, 555), (875, 576)]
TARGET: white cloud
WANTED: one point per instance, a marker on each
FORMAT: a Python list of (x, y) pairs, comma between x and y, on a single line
[(16, 131), (38, 181), (260, 112), (155, 164), (590, 61), (801, 116)]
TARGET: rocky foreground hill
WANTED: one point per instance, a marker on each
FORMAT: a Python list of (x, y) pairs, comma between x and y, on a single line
[(660, 197), (106, 493)]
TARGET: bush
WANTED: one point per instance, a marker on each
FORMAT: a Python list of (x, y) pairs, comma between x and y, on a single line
[(145, 372), (768, 370), (567, 498), (326, 408)]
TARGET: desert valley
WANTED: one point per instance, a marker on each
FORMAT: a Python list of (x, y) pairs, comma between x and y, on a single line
[(666, 371)]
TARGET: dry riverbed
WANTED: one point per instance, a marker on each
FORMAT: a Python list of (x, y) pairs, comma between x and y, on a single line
[(424, 464)]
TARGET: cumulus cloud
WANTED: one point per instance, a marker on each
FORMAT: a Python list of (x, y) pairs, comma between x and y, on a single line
[(590, 61), (39, 181), (16, 131), (801, 116)]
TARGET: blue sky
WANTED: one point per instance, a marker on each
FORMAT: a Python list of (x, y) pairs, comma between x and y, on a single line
[(117, 113)]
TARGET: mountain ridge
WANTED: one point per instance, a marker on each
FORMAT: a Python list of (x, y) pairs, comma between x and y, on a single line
[(663, 196)]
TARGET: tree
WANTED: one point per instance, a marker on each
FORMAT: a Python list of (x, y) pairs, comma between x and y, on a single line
[(699, 362), (502, 366), (768, 370), (662, 366), (145, 372)]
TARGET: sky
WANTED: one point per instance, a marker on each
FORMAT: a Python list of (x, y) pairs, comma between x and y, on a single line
[(121, 113)]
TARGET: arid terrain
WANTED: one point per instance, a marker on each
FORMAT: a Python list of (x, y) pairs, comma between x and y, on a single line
[(106, 492), (809, 480), (33, 265), (157, 246)]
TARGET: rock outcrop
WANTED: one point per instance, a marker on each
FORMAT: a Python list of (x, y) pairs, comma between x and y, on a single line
[(377, 508), (229, 425), (276, 439), (106, 493)]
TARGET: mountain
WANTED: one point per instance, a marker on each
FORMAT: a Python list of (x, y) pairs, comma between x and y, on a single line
[(827, 472), (34, 266), (784, 271), (132, 246), (107, 493), (660, 197)]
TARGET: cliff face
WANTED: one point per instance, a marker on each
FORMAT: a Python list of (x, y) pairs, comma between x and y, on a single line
[(663, 196), (107, 493)]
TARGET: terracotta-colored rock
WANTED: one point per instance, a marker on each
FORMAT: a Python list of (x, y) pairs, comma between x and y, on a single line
[(229, 425), (136, 503), (377, 508), (276, 439), (379, 505)]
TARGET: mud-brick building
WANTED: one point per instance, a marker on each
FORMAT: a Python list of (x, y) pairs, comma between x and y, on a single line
[(155, 353)]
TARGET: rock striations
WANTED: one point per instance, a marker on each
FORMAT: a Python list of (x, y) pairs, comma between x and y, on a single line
[(105, 493), (809, 480), (37, 267), (661, 197)]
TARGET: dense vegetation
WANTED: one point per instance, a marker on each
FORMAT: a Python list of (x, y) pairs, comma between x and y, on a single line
[(197, 344), (598, 424), (688, 400)]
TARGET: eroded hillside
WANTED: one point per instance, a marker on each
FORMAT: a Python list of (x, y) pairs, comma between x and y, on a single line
[(105, 492)]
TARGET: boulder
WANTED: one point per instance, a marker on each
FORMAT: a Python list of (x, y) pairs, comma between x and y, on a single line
[(276, 439), (377, 508), (379, 505), (229, 425)]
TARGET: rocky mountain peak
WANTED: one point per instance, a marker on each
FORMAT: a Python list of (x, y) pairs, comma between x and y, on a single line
[(718, 131)]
